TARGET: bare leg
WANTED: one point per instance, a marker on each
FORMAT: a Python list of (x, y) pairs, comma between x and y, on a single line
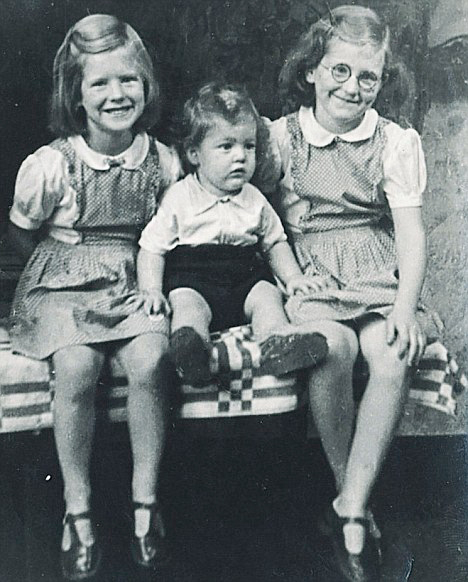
[(330, 384), (147, 371), (190, 349), (264, 308), (331, 394), (190, 309), (77, 370), (378, 416), (146, 365)]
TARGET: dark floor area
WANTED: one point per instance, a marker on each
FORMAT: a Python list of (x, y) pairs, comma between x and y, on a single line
[(240, 509)]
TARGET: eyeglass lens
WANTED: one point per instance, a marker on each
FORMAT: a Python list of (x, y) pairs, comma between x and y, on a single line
[(341, 73)]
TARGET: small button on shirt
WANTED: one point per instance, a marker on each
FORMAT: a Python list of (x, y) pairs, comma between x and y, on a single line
[(191, 215)]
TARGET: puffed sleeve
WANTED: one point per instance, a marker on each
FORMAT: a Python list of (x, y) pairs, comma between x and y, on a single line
[(40, 188), (171, 167), (160, 235), (286, 202), (404, 167)]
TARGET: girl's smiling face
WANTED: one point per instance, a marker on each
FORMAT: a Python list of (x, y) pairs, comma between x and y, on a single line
[(112, 95), (340, 107)]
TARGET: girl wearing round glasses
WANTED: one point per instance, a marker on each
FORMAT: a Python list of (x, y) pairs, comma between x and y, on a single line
[(351, 191)]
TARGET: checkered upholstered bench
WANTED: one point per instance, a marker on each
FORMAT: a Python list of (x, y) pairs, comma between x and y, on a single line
[(436, 404), (26, 387)]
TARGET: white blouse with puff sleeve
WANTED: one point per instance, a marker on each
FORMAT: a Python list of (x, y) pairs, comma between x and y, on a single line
[(404, 167), (43, 193)]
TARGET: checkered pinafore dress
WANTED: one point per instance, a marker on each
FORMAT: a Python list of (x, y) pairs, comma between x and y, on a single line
[(71, 294), (346, 233)]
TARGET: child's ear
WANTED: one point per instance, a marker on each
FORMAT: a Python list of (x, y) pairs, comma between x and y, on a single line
[(192, 155), (310, 76)]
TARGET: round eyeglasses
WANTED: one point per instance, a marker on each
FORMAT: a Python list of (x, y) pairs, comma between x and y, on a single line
[(342, 72)]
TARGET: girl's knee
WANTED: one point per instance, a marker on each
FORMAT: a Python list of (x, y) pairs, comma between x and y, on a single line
[(78, 368), (335, 372), (383, 360), (75, 393), (387, 365), (342, 342), (152, 366), (144, 358)]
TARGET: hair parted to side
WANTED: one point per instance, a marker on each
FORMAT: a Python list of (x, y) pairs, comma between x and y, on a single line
[(93, 34), (354, 24), (214, 100)]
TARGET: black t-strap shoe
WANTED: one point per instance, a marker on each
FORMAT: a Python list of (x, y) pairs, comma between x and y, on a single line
[(79, 561), (362, 567), (151, 550)]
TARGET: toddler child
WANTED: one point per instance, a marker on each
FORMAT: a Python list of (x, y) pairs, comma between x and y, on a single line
[(202, 247)]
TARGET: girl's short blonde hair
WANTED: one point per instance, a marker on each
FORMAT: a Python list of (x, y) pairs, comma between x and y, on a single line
[(95, 34)]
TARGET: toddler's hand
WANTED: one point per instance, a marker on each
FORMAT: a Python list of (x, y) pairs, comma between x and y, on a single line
[(403, 328), (154, 302), (303, 284)]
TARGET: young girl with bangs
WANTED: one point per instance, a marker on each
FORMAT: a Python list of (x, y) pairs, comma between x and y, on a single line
[(91, 191)]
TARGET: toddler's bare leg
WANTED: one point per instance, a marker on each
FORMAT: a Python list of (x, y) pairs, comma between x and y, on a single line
[(284, 347), (264, 309), (190, 309)]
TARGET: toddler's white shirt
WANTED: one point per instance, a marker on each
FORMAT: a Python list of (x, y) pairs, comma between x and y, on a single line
[(191, 215)]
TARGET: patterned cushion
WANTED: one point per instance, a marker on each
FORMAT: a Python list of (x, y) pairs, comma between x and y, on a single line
[(26, 389)]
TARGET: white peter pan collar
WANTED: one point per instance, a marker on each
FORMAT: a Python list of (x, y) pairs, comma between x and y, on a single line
[(318, 136), (130, 159)]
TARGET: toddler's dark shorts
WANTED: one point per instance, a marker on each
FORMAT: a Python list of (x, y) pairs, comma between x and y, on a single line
[(223, 274)]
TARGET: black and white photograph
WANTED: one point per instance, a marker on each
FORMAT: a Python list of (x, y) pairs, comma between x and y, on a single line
[(233, 289)]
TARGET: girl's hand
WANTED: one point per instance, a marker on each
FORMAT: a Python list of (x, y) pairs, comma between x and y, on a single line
[(154, 302), (403, 327), (303, 285)]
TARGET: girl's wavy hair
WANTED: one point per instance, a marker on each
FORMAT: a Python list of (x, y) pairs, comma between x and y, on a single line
[(94, 34), (354, 24)]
